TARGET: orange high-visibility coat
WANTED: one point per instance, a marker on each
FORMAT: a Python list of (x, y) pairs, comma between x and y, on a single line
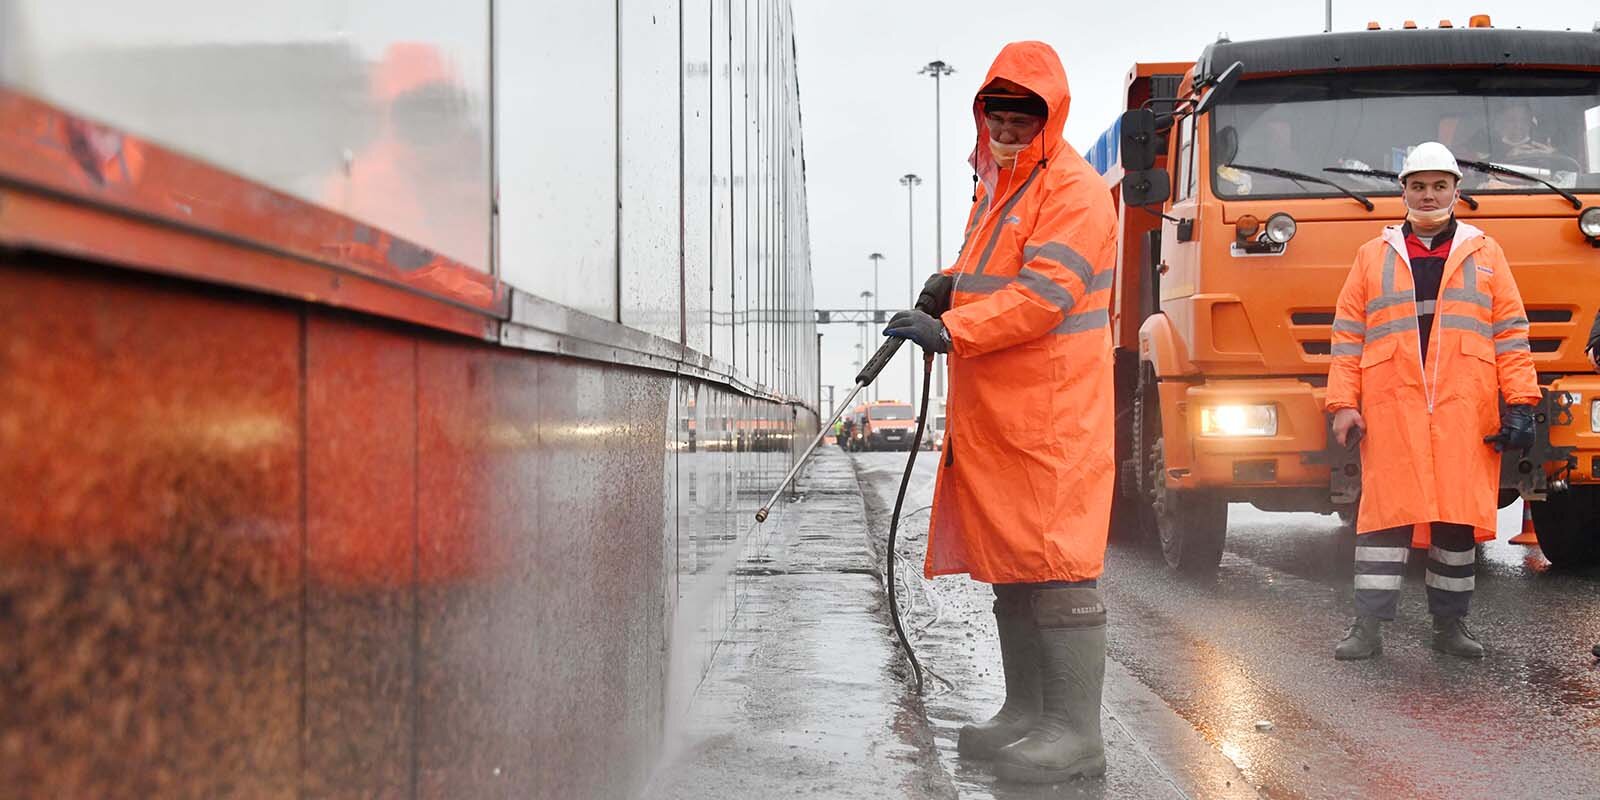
[(1025, 482), (1423, 459)]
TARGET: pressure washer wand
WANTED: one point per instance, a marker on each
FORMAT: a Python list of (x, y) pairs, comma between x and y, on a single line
[(866, 376)]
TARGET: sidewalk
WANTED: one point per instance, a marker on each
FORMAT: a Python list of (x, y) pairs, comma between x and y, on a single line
[(807, 695)]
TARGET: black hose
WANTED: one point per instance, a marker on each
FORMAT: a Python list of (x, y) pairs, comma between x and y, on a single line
[(894, 521)]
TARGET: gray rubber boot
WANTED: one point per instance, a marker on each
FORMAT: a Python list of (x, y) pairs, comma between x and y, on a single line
[(1066, 742), (1363, 640), (1451, 637), (1019, 655)]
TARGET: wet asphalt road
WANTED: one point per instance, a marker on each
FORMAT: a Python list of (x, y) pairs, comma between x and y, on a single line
[(1254, 645)]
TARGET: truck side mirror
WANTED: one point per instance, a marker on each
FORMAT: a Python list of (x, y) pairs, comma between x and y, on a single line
[(1220, 88), (1138, 140), (1146, 187)]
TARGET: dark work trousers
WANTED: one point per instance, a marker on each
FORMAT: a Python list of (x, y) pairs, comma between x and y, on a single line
[(1381, 563), (1023, 592)]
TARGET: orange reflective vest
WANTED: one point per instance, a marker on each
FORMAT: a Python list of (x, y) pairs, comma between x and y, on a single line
[(1024, 486), (1423, 458)]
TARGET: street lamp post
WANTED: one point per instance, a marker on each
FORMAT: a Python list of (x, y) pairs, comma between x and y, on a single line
[(868, 300), (876, 258), (911, 182), (938, 69)]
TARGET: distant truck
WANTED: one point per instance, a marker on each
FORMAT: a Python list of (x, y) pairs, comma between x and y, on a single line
[(884, 425), (1246, 182)]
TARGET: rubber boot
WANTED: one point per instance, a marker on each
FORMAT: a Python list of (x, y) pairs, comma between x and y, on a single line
[(1066, 742), (1363, 640), (1451, 637), (1019, 655)]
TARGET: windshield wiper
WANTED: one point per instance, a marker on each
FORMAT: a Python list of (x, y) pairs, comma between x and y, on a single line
[(1301, 176), (1496, 169), (1471, 202)]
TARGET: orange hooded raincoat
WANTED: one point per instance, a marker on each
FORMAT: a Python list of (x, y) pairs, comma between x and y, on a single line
[(1423, 457), (1025, 483)]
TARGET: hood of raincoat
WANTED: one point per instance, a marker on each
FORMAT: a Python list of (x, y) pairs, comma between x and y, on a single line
[(1036, 67)]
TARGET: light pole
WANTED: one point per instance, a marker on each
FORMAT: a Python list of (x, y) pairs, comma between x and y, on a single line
[(911, 182), (938, 69), (868, 300), (876, 258)]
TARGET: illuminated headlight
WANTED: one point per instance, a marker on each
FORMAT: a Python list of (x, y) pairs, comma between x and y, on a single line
[(1589, 222), (1239, 420), (1280, 228), (1594, 416)]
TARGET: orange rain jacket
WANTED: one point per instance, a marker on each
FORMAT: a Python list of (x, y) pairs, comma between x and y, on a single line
[(1024, 489), (1423, 457)]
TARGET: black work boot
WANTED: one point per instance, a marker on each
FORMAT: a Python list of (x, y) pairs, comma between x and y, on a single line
[(1596, 651), (1066, 741), (1019, 655), (1363, 640), (1451, 637)]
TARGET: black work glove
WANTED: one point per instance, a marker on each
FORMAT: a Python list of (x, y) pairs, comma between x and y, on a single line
[(935, 297), (1516, 430), (920, 328)]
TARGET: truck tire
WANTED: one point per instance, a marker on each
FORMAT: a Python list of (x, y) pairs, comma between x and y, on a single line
[(1568, 527), (1191, 525)]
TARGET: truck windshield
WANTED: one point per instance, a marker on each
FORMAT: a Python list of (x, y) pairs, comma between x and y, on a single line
[(889, 412), (1538, 123)]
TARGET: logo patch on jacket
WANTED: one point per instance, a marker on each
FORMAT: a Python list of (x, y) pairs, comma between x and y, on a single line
[(1485, 270)]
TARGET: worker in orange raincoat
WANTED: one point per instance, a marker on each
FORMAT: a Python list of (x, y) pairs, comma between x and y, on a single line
[(1429, 330), (1023, 498)]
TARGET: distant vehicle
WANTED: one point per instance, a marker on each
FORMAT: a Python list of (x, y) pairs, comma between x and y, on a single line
[(886, 425), (933, 434)]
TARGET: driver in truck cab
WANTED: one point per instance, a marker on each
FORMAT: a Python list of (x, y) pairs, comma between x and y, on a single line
[(1428, 334)]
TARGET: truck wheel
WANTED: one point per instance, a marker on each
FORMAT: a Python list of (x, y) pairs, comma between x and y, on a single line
[(1568, 526), (1192, 525)]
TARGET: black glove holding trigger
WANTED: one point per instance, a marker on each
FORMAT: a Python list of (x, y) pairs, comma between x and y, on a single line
[(935, 297)]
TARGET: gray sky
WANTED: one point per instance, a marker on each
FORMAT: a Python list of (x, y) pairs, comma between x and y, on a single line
[(869, 115)]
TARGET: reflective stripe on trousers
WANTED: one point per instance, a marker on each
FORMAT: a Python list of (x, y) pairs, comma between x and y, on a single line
[(1380, 560)]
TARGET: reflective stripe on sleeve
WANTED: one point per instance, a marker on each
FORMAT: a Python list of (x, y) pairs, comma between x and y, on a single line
[(1053, 293), (1085, 321), (980, 284), (1516, 344), (1388, 300), (1345, 349), (1342, 325), (1064, 255), (1512, 324)]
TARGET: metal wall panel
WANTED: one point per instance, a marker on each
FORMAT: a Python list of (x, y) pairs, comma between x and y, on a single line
[(697, 165), (374, 109), (556, 109), (651, 160)]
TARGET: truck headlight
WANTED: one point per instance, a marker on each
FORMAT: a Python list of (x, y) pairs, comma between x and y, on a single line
[(1594, 416), (1280, 228), (1589, 222), (1239, 420)]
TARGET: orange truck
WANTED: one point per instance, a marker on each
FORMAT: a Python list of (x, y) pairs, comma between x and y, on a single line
[(1247, 180)]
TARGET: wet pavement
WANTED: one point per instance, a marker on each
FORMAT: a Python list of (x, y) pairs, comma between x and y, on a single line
[(1244, 661), (808, 695)]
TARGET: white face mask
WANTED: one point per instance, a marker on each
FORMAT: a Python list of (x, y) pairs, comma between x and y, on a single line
[(1429, 219), (1005, 154)]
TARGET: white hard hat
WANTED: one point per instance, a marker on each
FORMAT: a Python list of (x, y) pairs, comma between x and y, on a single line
[(1430, 157)]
